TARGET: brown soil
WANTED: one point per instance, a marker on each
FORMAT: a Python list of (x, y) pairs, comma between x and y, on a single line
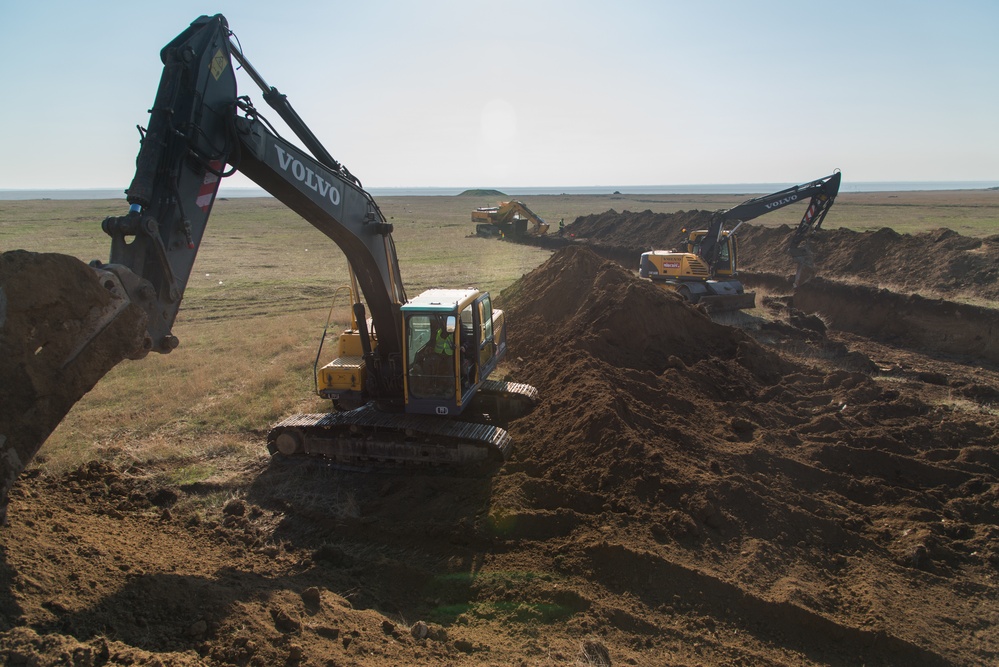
[(784, 492), (61, 331)]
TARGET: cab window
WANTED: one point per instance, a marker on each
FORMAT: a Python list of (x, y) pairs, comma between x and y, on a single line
[(486, 317)]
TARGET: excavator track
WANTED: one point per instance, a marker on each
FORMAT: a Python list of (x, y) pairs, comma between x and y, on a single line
[(503, 401), (367, 438)]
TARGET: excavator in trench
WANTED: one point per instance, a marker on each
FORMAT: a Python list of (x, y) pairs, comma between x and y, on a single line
[(509, 219), (411, 385), (704, 271)]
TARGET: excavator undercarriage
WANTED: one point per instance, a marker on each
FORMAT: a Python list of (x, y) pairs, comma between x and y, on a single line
[(368, 438)]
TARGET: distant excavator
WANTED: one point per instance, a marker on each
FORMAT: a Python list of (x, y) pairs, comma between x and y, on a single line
[(704, 271), (509, 219)]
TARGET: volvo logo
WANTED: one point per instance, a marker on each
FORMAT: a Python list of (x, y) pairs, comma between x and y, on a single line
[(781, 202), (306, 175)]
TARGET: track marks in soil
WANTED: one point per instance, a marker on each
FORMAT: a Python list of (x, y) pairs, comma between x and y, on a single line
[(682, 590)]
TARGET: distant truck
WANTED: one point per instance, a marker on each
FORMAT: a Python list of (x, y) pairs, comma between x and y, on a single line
[(510, 219)]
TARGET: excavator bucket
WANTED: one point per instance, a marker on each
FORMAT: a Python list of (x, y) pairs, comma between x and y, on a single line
[(62, 328)]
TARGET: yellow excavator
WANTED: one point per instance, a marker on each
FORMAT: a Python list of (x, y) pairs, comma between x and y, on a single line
[(411, 386), (509, 219), (704, 270)]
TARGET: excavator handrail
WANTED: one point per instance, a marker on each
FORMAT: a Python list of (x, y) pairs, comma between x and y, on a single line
[(326, 328)]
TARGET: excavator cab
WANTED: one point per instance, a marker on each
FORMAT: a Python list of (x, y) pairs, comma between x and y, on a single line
[(689, 274), (725, 264), (451, 344)]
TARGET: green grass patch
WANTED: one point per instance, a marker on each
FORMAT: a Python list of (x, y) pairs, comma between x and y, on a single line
[(189, 474)]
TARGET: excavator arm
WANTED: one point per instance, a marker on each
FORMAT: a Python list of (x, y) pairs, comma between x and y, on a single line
[(60, 338), (198, 128), (822, 192)]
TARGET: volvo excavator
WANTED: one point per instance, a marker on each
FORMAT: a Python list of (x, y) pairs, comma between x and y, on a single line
[(508, 220), (704, 271), (411, 386)]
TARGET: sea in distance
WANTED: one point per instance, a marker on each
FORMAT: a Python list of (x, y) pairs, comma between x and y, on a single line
[(516, 191)]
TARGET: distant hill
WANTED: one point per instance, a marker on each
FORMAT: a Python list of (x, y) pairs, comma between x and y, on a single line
[(482, 193)]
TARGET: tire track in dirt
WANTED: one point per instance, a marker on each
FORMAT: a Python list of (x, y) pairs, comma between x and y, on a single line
[(794, 627), (907, 320)]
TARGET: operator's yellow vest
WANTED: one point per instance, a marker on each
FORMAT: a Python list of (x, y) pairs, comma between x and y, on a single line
[(443, 344)]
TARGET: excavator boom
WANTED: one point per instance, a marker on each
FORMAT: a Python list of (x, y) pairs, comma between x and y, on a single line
[(194, 133)]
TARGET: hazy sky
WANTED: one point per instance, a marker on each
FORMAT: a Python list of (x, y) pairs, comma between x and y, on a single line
[(490, 94)]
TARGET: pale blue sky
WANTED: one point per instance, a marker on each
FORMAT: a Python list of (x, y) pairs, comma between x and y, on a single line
[(534, 93)]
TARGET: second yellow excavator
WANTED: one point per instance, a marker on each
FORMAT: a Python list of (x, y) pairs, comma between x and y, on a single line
[(704, 271)]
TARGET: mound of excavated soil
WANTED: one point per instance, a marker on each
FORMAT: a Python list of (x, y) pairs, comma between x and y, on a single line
[(938, 262), (645, 230), (776, 503)]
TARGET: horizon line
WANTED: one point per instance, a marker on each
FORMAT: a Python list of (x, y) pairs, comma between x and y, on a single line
[(498, 187)]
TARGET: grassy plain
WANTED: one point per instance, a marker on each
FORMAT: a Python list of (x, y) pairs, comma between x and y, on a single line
[(260, 293)]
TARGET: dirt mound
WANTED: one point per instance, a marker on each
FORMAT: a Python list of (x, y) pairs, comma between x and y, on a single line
[(60, 332), (646, 230), (604, 312), (770, 497), (608, 335), (936, 262)]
